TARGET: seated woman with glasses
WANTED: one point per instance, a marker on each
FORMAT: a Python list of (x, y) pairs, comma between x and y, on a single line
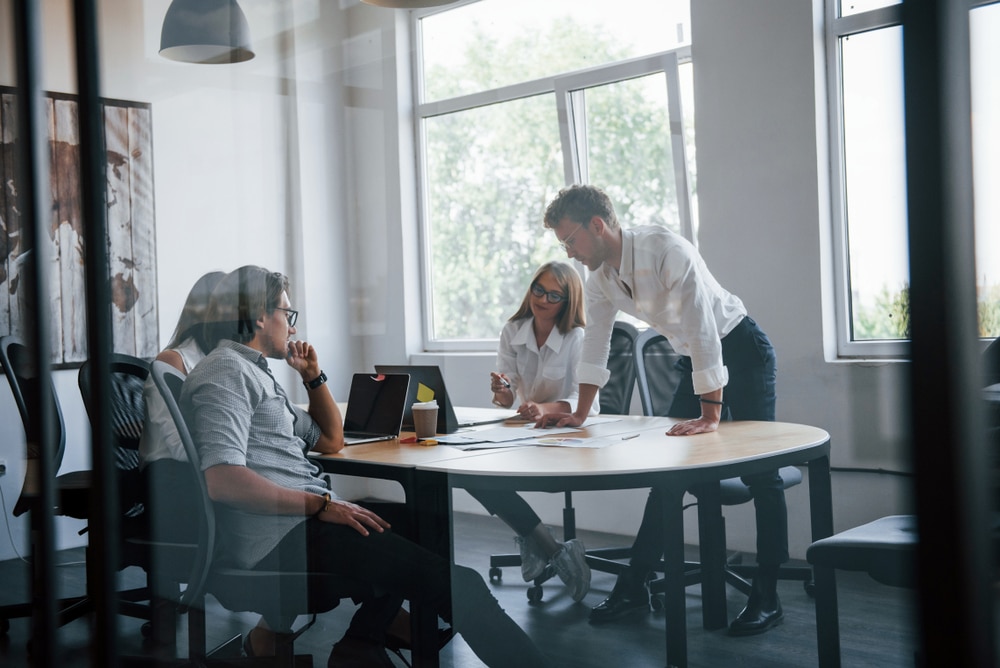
[(536, 370)]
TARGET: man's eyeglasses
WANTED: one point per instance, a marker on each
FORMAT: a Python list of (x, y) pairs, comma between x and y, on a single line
[(550, 297), (290, 314), (567, 243)]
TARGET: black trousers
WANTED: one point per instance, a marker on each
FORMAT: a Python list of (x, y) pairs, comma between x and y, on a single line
[(749, 395), (399, 569), (509, 506)]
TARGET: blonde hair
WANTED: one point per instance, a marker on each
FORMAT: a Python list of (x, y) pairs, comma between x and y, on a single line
[(571, 314)]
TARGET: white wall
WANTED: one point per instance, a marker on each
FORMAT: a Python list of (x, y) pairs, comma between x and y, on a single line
[(301, 160)]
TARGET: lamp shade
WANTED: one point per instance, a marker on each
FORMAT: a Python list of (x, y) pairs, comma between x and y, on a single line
[(408, 4), (208, 32)]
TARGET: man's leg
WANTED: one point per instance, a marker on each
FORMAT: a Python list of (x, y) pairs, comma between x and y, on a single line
[(630, 592)]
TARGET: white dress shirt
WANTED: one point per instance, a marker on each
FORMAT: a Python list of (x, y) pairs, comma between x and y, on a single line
[(541, 375), (663, 281)]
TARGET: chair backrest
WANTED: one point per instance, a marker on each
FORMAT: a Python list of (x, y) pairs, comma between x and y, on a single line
[(656, 372), (128, 375), (22, 375), (616, 395), (168, 382)]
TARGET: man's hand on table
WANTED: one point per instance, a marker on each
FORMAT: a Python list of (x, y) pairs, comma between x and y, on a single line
[(700, 425)]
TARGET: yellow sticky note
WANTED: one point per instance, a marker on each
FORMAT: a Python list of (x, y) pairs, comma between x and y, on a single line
[(424, 393)]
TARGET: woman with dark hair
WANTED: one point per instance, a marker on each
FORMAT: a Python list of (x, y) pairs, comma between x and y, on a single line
[(186, 348), (536, 371)]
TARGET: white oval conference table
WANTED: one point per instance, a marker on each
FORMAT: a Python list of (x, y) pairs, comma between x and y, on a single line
[(646, 458)]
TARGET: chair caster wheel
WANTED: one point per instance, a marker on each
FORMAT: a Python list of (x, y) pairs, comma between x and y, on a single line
[(656, 603), (810, 588), (535, 594), (496, 574)]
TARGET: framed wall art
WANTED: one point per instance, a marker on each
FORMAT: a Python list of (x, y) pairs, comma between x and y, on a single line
[(131, 229)]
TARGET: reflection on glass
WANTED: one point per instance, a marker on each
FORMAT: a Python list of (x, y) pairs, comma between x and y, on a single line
[(848, 7), (497, 43), (875, 180), (490, 173), (985, 48)]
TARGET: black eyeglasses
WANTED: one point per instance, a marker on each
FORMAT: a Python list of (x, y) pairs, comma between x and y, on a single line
[(290, 314), (550, 297)]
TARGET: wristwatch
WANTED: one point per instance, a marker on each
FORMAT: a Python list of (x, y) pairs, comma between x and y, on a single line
[(315, 382), (327, 502)]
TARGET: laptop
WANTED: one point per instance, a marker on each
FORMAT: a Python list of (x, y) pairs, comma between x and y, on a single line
[(426, 383), (375, 407)]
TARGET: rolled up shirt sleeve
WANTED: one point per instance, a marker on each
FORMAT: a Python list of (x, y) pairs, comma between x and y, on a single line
[(601, 313)]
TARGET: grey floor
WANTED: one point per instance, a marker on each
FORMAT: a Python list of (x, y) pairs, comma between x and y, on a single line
[(876, 629)]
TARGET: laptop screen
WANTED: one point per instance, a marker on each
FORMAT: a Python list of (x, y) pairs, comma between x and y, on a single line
[(376, 403)]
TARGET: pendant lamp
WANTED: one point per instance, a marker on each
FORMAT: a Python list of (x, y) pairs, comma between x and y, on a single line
[(207, 32)]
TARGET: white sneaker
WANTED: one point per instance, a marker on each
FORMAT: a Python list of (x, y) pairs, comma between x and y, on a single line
[(571, 565), (533, 561)]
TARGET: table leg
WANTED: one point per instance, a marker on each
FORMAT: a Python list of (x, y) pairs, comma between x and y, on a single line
[(712, 553), (674, 602), (821, 514), (432, 501)]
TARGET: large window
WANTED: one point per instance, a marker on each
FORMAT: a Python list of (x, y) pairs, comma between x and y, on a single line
[(518, 98), (865, 51)]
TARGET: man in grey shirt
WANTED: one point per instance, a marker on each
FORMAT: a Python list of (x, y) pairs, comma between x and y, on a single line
[(274, 508)]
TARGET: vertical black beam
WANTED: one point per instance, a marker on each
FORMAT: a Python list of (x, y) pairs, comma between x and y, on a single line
[(104, 529), (35, 203), (954, 553)]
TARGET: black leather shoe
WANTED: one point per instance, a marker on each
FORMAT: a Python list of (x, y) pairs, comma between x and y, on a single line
[(757, 617), (623, 600)]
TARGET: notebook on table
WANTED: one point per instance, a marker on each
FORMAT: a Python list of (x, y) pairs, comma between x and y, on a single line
[(426, 384), (375, 407)]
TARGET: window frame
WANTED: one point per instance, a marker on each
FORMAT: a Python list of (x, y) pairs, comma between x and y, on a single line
[(564, 88), (837, 28)]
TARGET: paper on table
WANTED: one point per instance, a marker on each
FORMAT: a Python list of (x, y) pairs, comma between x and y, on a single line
[(500, 434)]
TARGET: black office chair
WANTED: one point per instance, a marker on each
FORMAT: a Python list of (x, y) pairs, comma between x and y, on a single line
[(658, 377), (127, 406), (72, 489), (279, 596), (615, 399), (884, 548)]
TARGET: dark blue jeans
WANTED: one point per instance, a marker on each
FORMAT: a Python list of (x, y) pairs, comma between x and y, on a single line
[(749, 395)]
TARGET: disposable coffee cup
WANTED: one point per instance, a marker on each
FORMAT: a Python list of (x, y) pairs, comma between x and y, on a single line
[(425, 418)]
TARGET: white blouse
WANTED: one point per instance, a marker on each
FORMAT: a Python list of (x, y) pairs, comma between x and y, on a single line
[(541, 375), (159, 437)]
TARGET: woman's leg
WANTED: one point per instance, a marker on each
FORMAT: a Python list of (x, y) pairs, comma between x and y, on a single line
[(537, 545)]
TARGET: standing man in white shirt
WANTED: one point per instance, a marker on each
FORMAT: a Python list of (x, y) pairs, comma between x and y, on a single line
[(658, 276)]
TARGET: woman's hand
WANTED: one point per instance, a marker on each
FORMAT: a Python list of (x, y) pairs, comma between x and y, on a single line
[(531, 411), (500, 386)]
